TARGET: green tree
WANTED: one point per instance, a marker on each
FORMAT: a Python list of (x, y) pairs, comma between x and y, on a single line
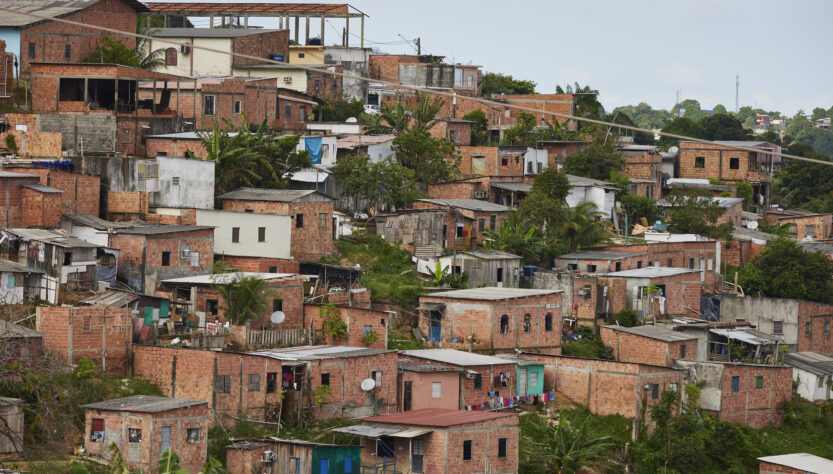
[(553, 184), (644, 116), (479, 127), (521, 133), (681, 126), (113, 51), (638, 207), (744, 190), (518, 236), (692, 110), (565, 447), (586, 100), (819, 113), (598, 160), (785, 270), (386, 183), (639, 138), (805, 131), (695, 211), (720, 109), (433, 160), (584, 227), (339, 110), (803, 184), (245, 297), (493, 83), (724, 127), (169, 463)]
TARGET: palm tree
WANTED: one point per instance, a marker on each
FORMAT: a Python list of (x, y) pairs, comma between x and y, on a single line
[(425, 112), (565, 447), (584, 227), (516, 235), (245, 297)]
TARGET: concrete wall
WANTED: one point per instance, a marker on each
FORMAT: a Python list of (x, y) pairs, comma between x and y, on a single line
[(354, 61), (199, 62), (278, 233), (763, 311), (195, 188), (603, 199), (92, 132)]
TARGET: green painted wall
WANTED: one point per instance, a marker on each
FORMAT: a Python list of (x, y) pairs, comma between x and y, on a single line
[(335, 456), (539, 388)]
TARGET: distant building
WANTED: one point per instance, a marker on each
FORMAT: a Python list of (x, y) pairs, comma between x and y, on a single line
[(654, 345), (291, 455), (798, 463), (812, 373), (804, 225)]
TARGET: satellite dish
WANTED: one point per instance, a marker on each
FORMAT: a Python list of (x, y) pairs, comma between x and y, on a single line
[(752, 225), (673, 150), (368, 384), (277, 317)]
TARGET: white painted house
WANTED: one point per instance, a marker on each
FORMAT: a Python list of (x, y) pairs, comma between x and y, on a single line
[(246, 234), (600, 193), (813, 373)]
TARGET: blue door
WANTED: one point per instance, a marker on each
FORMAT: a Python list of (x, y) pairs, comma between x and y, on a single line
[(325, 466), (434, 336)]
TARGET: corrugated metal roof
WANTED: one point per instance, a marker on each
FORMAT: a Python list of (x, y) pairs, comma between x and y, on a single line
[(98, 223), (439, 417), (651, 272), (721, 201), (653, 332), (42, 188), (451, 356), (50, 8), (12, 174), (491, 254), (521, 361), (9, 266), (223, 278), (111, 299), (9, 330), (197, 8), (414, 366), (599, 255), (515, 187), (355, 141), (492, 293), (144, 404), (581, 181), (814, 362), (367, 431), (55, 237), (747, 335), (809, 463), (318, 352), (470, 204), (273, 195), (206, 32), (157, 229)]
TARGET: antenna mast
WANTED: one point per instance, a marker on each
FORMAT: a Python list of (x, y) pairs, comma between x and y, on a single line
[(737, 89)]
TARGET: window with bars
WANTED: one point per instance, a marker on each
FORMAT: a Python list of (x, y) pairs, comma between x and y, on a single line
[(222, 384), (253, 382)]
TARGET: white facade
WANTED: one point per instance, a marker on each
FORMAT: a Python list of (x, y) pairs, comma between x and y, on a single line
[(380, 151), (535, 160), (329, 149), (11, 290), (276, 233), (288, 78), (184, 183), (85, 233), (197, 62), (604, 199), (811, 386)]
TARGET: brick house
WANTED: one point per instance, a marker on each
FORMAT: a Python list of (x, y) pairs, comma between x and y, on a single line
[(342, 369), (643, 166), (457, 131), (559, 150), (485, 380), (246, 234), (804, 224), (608, 387), (601, 261), (150, 254), (652, 345), (731, 207), (748, 394), (584, 298), (97, 107), (198, 295), (506, 190), (176, 145), (692, 252), (424, 385), (80, 193), (291, 455), (7, 59), (102, 335), (20, 344), (54, 42), (494, 319), (501, 160), (745, 245), (143, 427), (12, 187), (439, 440), (729, 165), (797, 463), (312, 216), (231, 382), (812, 375), (359, 321), (679, 291), (465, 220)]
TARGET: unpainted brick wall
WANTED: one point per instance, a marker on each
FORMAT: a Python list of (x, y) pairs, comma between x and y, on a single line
[(755, 407), (357, 320)]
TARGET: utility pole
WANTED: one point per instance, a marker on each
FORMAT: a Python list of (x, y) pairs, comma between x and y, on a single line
[(737, 89), (419, 47)]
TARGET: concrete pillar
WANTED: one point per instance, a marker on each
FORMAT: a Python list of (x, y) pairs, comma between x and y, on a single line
[(307, 31), (347, 36), (362, 33), (297, 27), (322, 31), (211, 21)]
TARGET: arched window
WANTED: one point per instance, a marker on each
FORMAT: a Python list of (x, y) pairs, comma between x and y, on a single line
[(527, 322), (504, 324), (170, 56), (548, 322)]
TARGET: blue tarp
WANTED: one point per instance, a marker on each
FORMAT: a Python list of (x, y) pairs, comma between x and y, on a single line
[(313, 145)]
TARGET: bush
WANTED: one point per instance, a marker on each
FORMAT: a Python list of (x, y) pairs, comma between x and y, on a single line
[(626, 317)]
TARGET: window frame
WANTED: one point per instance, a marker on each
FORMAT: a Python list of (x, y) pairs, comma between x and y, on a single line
[(548, 322), (166, 258), (32, 50), (253, 383), (759, 381), (467, 450), (700, 162), (299, 221), (261, 234), (735, 384), (501, 448), (436, 389), (222, 383), (206, 107), (235, 235), (238, 106), (734, 163), (67, 51), (325, 378), (188, 435)]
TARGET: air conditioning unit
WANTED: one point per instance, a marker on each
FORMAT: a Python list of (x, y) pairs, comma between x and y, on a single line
[(184, 49), (102, 286), (481, 194), (185, 254), (269, 456)]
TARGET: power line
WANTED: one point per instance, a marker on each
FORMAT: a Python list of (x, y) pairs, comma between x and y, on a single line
[(357, 36), (450, 95)]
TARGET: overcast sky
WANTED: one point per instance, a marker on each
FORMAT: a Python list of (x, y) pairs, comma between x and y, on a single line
[(638, 51)]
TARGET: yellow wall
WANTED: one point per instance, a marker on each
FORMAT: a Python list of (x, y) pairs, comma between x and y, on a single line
[(297, 77), (205, 63), (312, 54)]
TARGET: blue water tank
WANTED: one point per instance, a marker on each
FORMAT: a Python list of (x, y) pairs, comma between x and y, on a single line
[(530, 270), (278, 57)]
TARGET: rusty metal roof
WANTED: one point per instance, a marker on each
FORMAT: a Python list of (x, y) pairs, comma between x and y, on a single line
[(440, 417), (205, 8)]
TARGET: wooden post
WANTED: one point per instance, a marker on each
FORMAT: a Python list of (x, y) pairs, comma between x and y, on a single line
[(116, 107), (297, 27), (362, 32), (322, 30), (306, 31)]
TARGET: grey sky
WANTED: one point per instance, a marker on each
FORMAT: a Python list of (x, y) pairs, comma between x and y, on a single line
[(638, 51)]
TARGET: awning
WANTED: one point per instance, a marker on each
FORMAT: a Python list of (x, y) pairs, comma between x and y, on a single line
[(411, 433), (430, 307), (745, 335), (368, 431)]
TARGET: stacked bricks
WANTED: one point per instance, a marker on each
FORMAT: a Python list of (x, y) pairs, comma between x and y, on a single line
[(717, 163), (752, 406), (639, 349), (739, 252), (81, 192), (192, 374), (443, 128), (289, 289), (357, 320), (145, 455), (43, 209), (11, 199), (102, 335)]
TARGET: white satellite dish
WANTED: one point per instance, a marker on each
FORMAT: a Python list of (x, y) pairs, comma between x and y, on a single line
[(277, 317), (752, 225), (368, 384), (673, 150)]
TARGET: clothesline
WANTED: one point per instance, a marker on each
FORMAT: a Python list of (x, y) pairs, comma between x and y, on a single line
[(496, 403)]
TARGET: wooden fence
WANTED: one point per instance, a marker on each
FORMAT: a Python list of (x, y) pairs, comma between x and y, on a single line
[(280, 337)]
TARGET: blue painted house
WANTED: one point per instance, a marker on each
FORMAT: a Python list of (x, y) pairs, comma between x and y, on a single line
[(530, 376)]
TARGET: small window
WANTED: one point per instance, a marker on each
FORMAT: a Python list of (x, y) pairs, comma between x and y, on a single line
[(97, 430), (302, 112), (235, 235), (759, 381), (325, 379), (734, 163), (654, 391), (591, 268), (493, 222), (467, 450), (504, 324), (376, 375), (322, 220), (481, 225), (669, 262), (673, 386), (175, 181), (194, 435), (504, 161), (777, 327), (639, 264), (261, 234), (166, 259), (287, 80), (253, 382), (478, 381), (618, 266), (10, 284), (460, 230), (238, 106), (821, 382), (691, 264), (273, 269), (67, 258), (808, 328), (134, 435), (501, 447), (68, 52), (208, 105), (299, 221), (527, 323), (436, 389), (170, 57), (499, 276), (211, 306), (271, 382), (735, 384), (700, 162), (222, 383), (301, 55), (250, 211), (277, 304), (682, 351), (548, 322), (32, 49), (826, 323), (452, 135), (287, 112)]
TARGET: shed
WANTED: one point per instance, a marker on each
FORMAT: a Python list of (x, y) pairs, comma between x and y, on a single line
[(485, 267), (292, 455)]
